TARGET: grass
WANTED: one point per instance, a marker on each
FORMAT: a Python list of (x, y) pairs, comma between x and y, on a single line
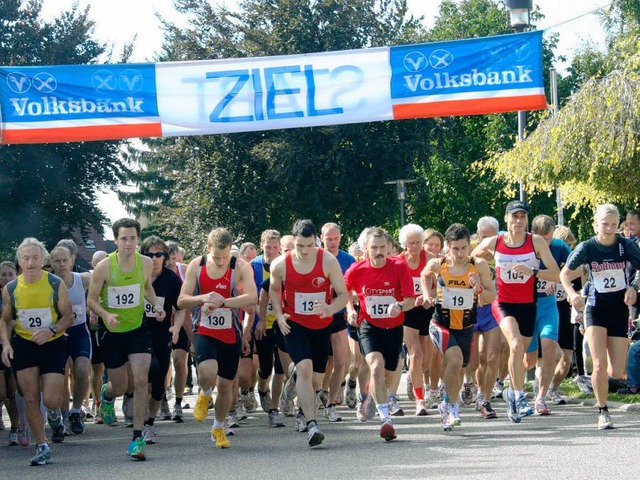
[(570, 389)]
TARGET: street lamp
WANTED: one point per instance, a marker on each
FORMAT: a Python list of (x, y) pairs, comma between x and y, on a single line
[(401, 190), (520, 20), (519, 14)]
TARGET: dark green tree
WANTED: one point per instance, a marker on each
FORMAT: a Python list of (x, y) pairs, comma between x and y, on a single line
[(49, 190)]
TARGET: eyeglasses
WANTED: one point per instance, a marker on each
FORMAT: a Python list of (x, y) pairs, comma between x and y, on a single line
[(157, 254)]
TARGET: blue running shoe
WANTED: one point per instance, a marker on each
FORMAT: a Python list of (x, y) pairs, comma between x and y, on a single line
[(512, 409), (42, 457), (136, 449), (523, 407)]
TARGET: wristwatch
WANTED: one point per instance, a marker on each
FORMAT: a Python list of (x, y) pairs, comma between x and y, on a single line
[(535, 271), (53, 329), (636, 287)]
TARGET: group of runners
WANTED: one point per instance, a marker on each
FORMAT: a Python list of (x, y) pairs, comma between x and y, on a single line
[(325, 327)]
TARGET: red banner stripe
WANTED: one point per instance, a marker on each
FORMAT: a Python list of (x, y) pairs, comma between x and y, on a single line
[(480, 106), (81, 134)]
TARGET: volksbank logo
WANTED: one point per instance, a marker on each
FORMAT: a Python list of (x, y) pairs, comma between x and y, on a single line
[(417, 61), (444, 80), (32, 107), (20, 83), (38, 94)]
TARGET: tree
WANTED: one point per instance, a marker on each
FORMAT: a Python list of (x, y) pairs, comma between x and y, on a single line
[(590, 149), (49, 190)]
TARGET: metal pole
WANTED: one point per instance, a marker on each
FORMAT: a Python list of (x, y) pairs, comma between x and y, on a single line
[(401, 213), (522, 120), (556, 105)]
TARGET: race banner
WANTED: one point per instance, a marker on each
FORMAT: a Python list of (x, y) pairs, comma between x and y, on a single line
[(109, 102)]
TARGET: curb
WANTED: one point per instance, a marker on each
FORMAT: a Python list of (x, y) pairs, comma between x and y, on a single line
[(591, 402)]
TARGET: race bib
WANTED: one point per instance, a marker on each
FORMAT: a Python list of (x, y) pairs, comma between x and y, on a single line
[(541, 285), (561, 293), (507, 275), (219, 319), (123, 297), (608, 281), (269, 308), (150, 310), (378, 305), (305, 302), (35, 318), (417, 286), (457, 298)]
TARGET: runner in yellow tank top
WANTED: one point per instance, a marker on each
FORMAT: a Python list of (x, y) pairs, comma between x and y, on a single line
[(460, 282), (39, 303)]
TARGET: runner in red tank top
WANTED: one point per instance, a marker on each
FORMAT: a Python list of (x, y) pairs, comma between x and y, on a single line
[(209, 287), (305, 315), (517, 254)]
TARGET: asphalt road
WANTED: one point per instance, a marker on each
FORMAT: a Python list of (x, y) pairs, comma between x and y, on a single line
[(563, 445)]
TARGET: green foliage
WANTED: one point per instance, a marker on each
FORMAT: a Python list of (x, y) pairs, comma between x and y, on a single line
[(47, 191), (591, 149)]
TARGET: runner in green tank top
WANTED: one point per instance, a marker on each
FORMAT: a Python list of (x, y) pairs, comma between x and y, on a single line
[(119, 285)]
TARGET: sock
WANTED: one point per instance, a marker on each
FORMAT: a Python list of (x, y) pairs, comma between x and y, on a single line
[(41, 445), (207, 392), (603, 409), (22, 409), (75, 410), (519, 394), (43, 409), (311, 423), (137, 434), (130, 395), (150, 421), (383, 410), (419, 393), (352, 384), (362, 397), (446, 397), (480, 397), (218, 424), (178, 401)]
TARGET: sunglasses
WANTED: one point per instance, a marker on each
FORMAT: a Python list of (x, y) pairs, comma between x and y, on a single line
[(157, 254)]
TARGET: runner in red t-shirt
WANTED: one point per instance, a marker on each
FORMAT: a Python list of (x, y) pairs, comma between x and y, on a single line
[(385, 290)]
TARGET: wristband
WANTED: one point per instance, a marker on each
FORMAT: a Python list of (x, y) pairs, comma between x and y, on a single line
[(535, 272), (479, 292)]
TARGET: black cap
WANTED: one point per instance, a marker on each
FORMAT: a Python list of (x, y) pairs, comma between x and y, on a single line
[(517, 206)]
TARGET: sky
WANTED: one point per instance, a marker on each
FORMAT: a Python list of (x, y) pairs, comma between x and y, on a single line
[(119, 21)]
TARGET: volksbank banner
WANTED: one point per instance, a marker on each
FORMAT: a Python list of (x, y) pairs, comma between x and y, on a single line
[(103, 102)]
